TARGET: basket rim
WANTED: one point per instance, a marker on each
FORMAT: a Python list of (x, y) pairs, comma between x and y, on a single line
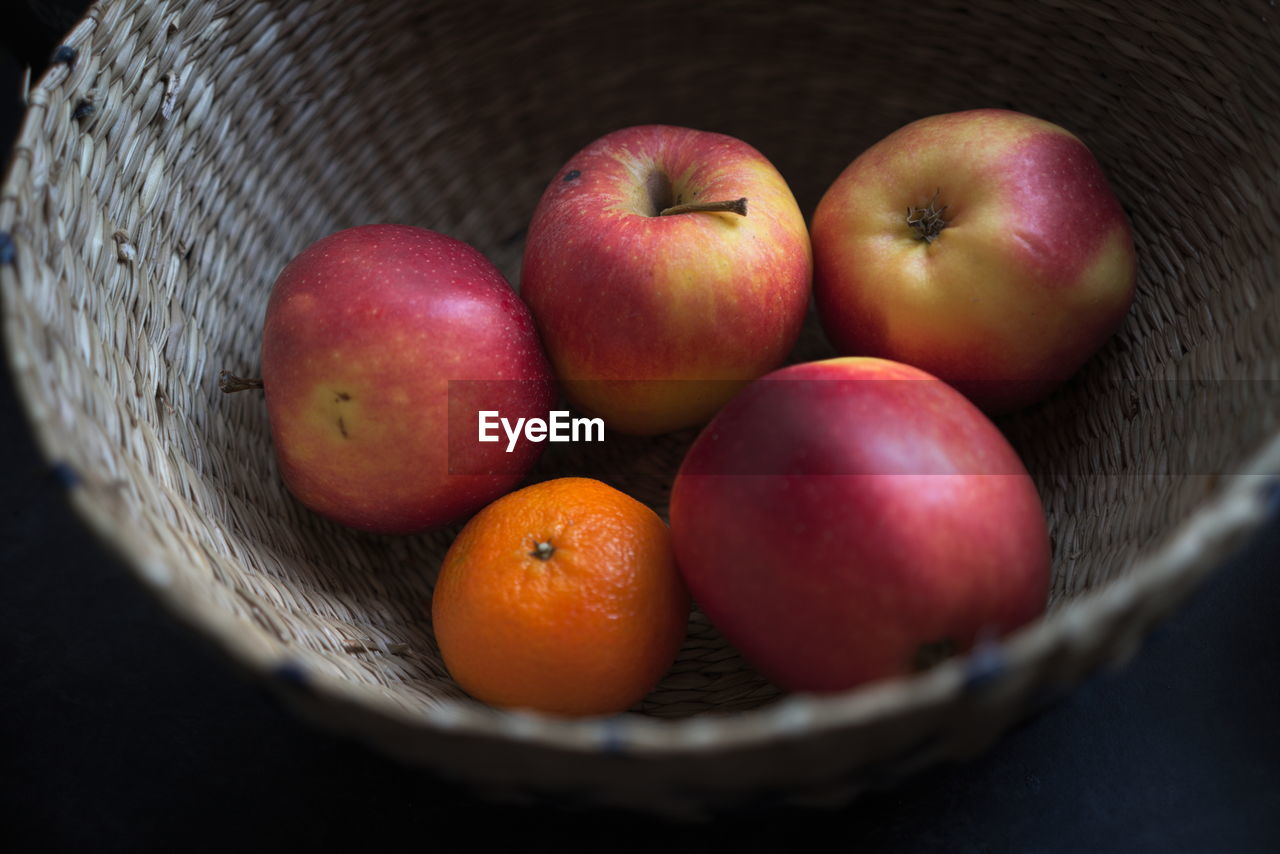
[(1240, 503)]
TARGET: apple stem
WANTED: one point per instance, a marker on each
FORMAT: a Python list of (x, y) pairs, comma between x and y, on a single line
[(542, 550), (928, 221), (738, 206), (230, 383)]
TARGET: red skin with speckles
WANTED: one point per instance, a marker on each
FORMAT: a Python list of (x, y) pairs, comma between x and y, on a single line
[(1032, 273), (365, 330), (837, 516), (653, 322)]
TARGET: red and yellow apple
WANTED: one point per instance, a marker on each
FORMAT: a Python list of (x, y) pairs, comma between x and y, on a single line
[(851, 519), (372, 336), (665, 267), (984, 247)]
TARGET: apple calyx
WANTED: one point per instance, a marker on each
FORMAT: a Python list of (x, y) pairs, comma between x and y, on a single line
[(737, 206), (927, 221), (229, 383), (542, 550)]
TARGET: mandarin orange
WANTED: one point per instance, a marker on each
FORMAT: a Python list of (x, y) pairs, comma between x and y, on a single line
[(561, 597)]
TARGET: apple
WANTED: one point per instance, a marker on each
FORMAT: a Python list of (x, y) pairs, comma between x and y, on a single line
[(984, 247), (665, 267), (374, 338), (853, 519)]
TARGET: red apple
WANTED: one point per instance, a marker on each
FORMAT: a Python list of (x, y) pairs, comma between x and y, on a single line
[(365, 331), (846, 520), (656, 302), (983, 246)]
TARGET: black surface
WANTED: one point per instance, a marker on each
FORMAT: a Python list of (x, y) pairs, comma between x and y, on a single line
[(120, 731)]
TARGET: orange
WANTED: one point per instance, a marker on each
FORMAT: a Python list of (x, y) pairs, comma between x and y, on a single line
[(561, 597)]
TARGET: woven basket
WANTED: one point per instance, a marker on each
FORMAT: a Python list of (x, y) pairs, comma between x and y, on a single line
[(180, 153)]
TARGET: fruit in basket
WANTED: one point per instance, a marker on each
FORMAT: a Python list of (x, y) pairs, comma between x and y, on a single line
[(654, 310), (561, 597), (984, 247), (852, 519), (365, 330)]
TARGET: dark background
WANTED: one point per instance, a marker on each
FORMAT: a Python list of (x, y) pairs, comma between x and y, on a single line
[(120, 731)]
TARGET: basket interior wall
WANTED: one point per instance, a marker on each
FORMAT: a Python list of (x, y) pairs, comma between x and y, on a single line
[(224, 139)]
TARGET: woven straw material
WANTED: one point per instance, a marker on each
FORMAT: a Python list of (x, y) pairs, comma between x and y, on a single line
[(165, 175)]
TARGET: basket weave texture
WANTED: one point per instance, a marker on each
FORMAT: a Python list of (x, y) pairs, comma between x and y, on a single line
[(166, 173)]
